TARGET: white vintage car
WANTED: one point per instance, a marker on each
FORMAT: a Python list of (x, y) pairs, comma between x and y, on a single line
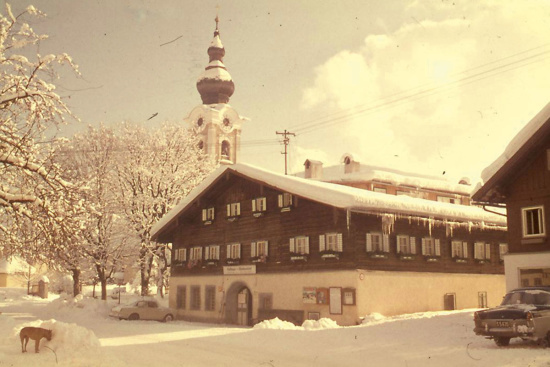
[(142, 310)]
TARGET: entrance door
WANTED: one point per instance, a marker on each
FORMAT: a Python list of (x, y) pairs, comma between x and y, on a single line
[(449, 302), (244, 307)]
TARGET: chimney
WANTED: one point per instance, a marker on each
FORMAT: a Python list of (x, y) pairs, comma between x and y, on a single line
[(314, 169)]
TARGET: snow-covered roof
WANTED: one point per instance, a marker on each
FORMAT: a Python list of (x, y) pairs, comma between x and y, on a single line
[(14, 265), (517, 142), (391, 176), (339, 196), (217, 73), (216, 42)]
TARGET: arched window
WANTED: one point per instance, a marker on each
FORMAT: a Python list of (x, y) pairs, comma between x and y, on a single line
[(226, 149), (347, 160), (201, 145)]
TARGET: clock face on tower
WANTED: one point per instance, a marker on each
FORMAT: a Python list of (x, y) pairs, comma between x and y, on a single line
[(226, 125)]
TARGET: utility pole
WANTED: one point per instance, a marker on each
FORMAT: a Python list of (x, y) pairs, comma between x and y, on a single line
[(286, 141)]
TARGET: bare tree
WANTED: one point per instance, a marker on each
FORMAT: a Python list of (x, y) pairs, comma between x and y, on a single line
[(157, 169)]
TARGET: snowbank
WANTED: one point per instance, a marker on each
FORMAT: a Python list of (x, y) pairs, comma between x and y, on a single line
[(278, 324)]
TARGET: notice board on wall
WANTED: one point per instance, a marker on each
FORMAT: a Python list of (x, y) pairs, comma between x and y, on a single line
[(335, 297)]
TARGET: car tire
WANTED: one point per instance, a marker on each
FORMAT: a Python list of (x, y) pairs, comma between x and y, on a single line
[(168, 318), (545, 342), (133, 316), (502, 341)]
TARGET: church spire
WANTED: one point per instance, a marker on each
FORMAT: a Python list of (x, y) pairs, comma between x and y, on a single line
[(215, 84)]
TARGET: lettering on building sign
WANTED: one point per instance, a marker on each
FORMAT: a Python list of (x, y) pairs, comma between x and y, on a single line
[(239, 269)]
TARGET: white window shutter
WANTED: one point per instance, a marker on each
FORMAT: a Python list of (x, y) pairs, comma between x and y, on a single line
[(454, 245), (307, 244), (212, 211), (184, 254), (292, 245), (477, 250), (228, 252), (204, 215), (264, 203), (398, 247), (238, 250), (487, 251), (464, 249), (280, 200), (200, 253), (228, 210), (413, 245), (266, 248), (437, 247), (386, 242), (339, 243), (238, 208), (369, 242), (253, 249), (217, 252), (423, 246), (322, 242), (253, 205)]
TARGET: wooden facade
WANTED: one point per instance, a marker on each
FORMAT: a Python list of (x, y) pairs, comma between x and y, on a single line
[(522, 184), (240, 221)]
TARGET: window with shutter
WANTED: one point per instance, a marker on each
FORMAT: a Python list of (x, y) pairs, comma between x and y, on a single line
[(259, 251), (502, 250), (322, 245), (233, 210), (208, 215), (285, 201), (482, 251), (378, 244), (259, 206)]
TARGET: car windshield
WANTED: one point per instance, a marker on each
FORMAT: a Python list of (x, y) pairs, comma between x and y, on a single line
[(527, 297)]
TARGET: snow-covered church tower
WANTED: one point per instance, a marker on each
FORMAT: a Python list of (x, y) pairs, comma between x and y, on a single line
[(215, 121)]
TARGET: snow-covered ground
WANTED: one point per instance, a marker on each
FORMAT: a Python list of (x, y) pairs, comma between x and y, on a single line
[(85, 336)]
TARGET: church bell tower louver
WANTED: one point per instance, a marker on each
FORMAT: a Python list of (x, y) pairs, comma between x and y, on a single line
[(217, 124)]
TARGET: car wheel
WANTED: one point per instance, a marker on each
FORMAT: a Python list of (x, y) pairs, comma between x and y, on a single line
[(168, 318), (502, 341), (133, 316), (545, 342)]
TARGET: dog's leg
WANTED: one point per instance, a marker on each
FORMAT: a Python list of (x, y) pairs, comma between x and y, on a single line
[(37, 346)]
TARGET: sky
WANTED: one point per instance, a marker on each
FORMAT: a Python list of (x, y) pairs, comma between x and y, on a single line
[(433, 87)]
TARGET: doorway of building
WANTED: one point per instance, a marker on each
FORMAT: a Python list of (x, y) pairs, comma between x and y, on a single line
[(449, 302), (244, 307)]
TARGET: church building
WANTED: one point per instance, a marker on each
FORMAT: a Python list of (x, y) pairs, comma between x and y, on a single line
[(215, 121)]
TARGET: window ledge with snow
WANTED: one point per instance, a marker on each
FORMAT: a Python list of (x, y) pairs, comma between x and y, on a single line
[(212, 262), (258, 214), (482, 261), (431, 258), (285, 209), (232, 219), (330, 255), (460, 260), (207, 222), (258, 259), (407, 257), (298, 257), (233, 261), (378, 255)]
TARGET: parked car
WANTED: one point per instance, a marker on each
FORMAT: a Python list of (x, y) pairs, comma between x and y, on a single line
[(142, 310), (524, 313)]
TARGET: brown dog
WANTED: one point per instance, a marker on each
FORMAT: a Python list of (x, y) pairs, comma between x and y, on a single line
[(34, 333)]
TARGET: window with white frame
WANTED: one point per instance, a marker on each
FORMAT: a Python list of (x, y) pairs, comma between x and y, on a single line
[(299, 245), (180, 254), (378, 242), (459, 249), (195, 253), (259, 205), (380, 190), (259, 249), (502, 250), (533, 221), (234, 251), (331, 242), (406, 245), (431, 246), (208, 215), (482, 251), (233, 210), (212, 252), (285, 201)]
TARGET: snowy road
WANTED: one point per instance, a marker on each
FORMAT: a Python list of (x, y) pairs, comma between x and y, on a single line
[(430, 339)]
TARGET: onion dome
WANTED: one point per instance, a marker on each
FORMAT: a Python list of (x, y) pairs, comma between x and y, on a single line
[(215, 84)]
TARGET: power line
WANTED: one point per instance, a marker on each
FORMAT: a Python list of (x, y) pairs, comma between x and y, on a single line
[(421, 92)]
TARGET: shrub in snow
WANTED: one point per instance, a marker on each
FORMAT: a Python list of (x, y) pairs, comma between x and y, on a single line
[(324, 323), (276, 324)]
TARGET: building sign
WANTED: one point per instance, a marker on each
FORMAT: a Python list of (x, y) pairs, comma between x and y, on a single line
[(239, 270), (335, 296), (309, 295)]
